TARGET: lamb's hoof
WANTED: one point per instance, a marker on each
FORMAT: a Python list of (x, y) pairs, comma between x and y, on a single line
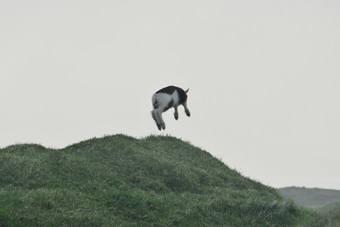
[(159, 127)]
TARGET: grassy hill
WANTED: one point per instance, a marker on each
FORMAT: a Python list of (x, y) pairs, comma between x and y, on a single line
[(120, 180)]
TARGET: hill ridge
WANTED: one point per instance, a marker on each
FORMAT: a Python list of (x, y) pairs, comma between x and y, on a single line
[(121, 180)]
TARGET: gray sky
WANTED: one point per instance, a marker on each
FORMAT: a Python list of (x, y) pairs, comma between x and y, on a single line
[(264, 78)]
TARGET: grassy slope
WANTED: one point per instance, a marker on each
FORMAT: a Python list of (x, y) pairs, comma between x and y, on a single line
[(119, 180)]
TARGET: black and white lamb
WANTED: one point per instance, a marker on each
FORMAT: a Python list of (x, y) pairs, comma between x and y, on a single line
[(166, 98)]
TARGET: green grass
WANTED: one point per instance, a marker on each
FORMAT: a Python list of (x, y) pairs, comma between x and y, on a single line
[(122, 181)]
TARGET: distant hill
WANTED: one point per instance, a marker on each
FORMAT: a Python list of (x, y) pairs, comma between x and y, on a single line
[(324, 201), (311, 197), (122, 181)]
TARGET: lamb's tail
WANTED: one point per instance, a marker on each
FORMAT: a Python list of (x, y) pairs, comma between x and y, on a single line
[(187, 90)]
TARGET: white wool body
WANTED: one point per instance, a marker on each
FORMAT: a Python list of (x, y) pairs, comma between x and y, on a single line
[(162, 100)]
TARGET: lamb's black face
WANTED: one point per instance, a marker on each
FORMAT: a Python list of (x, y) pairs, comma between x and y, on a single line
[(182, 96)]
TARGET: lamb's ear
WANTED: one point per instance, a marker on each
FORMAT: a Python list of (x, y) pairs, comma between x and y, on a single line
[(187, 90)]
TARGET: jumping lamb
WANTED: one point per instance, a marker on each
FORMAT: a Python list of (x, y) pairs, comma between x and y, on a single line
[(166, 98)]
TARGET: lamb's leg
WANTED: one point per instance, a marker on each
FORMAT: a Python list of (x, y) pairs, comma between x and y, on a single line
[(187, 112), (176, 113), (159, 119), (162, 123), (155, 119)]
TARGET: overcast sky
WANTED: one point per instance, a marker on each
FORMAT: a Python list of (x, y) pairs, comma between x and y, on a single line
[(264, 78)]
